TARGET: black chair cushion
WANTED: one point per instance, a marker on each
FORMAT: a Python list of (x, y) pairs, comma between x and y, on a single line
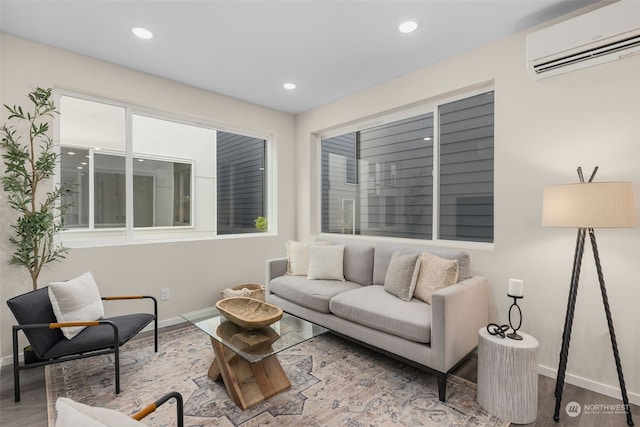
[(100, 337), (35, 307)]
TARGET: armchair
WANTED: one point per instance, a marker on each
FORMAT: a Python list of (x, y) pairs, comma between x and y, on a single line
[(35, 316)]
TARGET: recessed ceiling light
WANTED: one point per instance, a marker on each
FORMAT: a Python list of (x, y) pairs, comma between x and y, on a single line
[(289, 86), (408, 26), (143, 33)]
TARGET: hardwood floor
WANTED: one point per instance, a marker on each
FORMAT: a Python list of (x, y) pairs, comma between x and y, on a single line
[(547, 402), (31, 411)]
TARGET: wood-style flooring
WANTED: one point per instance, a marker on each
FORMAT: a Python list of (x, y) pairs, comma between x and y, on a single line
[(31, 411)]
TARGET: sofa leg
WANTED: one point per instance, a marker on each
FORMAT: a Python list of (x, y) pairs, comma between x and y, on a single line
[(442, 386)]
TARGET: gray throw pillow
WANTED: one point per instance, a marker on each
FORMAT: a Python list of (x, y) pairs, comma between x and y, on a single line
[(358, 264), (402, 275)]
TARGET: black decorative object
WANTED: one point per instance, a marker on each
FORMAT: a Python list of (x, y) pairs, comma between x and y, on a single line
[(495, 329), (573, 206), (514, 335)]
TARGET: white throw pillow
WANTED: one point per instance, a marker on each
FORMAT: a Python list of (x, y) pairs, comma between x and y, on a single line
[(435, 273), (326, 262), (298, 256), (402, 275), (74, 414), (76, 300)]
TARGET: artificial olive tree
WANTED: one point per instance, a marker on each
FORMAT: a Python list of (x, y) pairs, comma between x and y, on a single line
[(30, 159)]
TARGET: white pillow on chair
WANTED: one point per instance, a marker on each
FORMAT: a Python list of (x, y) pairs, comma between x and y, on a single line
[(76, 300), (74, 414)]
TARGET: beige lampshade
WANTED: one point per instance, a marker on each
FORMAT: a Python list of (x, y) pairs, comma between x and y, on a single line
[(589, 205)]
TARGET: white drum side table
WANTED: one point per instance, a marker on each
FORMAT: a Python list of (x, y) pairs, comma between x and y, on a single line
[(508, 377)]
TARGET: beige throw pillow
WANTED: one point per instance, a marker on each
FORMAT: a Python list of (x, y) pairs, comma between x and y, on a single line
[(76, 300), (298, 257), (326, 262), (435, 273), (402, 275)]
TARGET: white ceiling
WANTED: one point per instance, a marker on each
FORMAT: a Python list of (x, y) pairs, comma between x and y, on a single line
[(248, 49)]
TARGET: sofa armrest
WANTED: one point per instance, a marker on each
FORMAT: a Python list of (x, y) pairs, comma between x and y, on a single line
[(275, 267), (458, 312)]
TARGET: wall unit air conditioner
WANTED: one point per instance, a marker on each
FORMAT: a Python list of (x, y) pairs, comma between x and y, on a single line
[(606, 34)]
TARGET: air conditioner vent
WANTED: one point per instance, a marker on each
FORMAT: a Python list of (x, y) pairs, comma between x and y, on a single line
[(606, 34), (588, 55)]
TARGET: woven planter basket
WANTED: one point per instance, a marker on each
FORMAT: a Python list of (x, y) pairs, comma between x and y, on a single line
[(250, 290)]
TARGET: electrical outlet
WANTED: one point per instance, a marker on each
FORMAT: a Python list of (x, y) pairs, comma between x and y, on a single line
[(164, 294)]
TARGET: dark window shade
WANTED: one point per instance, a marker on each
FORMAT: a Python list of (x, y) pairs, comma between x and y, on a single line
[(466, 169), (379, 181), (400, 182), (240, 182), (393, 187)]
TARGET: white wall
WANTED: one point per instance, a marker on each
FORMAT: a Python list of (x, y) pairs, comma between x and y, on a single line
[(544, 130), (195, 271)]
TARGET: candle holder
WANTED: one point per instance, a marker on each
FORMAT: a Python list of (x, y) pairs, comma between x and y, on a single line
[(514, 335)]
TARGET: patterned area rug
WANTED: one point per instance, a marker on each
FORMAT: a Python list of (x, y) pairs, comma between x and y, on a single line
[(333, 383)]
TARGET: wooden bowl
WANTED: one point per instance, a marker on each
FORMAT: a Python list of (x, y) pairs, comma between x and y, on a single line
[(249, 313)]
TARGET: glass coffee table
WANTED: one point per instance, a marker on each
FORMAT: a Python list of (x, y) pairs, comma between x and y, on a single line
[(246, 360)]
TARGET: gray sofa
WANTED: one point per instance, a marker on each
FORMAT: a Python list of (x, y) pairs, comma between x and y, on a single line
[(435, 337)]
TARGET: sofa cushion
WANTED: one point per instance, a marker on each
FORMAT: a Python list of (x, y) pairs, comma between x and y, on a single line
[(372, 306), (298, 257), (358, 264), (402, 275), (434, 273), (384, 251), (382, 258), (312, 294), (358, 261), (326, 262)]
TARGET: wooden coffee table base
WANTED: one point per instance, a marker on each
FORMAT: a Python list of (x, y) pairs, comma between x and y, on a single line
[(247, 383)]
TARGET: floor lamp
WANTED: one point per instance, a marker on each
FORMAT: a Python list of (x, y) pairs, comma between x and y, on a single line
[(587, 206)]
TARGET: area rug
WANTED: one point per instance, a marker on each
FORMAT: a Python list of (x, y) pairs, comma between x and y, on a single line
[(333, 383)]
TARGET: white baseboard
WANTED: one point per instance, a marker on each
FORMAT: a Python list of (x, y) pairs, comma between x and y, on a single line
[(8, 360), (591, 385)]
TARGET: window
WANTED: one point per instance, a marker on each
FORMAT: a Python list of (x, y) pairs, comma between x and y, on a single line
[(178, 171), (428, 176), (241, 182)]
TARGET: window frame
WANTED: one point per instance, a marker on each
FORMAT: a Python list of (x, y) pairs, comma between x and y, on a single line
[(429, 106), (100, 237)]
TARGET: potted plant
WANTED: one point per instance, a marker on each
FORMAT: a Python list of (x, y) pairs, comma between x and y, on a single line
[(29, 164), (262, 224)]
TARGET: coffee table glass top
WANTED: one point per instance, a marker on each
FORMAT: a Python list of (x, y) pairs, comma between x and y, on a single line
[(256, 344)]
